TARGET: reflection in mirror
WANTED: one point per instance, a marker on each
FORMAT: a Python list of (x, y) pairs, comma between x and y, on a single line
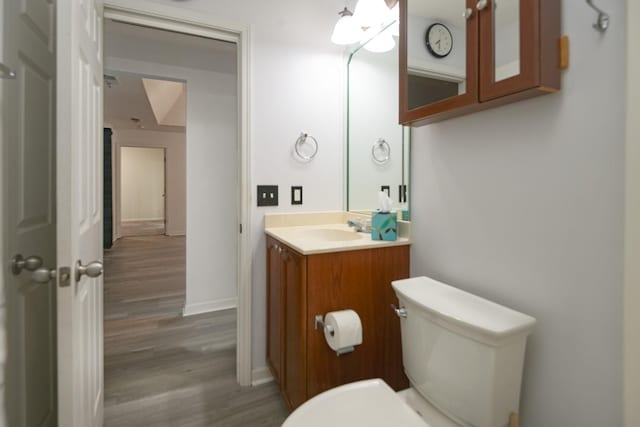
[(436, 50), (377, 146), (507, 36)]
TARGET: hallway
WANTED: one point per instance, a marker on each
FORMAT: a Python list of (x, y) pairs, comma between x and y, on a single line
[(162, 369)]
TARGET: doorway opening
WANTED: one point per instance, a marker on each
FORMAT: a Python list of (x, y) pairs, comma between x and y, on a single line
[(142, 191), (166, 350)]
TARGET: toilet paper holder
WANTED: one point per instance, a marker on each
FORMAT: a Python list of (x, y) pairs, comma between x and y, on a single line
[(320, 325)]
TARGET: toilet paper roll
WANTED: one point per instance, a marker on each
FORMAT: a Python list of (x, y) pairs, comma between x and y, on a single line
[(346, 327)]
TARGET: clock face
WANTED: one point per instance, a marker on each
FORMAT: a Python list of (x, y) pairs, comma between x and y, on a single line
[(439, 41)]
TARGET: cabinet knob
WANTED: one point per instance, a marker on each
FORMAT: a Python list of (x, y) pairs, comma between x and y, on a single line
[(481, 4), (468, 13)]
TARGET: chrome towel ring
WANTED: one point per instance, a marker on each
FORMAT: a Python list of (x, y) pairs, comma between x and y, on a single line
[(381, 151), (306, 147)]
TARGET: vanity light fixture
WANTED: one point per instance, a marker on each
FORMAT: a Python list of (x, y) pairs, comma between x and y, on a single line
[(371, 13), (362, 26), (347, 30)]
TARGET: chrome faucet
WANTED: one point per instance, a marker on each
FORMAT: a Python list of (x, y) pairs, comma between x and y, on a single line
[(361, 227)]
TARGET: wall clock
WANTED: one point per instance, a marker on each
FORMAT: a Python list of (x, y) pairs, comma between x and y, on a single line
[(438, 40)]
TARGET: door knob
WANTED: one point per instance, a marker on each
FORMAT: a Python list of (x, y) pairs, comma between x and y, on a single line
[(93, 269), (468, 12), (6, 72), (44, 275), (481, 4), (19, 263)]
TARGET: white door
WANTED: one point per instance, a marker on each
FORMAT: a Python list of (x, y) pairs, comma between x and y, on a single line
[(79, 209), (28, 201)]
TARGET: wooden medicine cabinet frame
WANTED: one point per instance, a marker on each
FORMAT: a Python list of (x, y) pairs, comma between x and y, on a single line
[(540, 71)]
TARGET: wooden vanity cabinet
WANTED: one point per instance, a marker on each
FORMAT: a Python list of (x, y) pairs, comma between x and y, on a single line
[(299, 287), (286, 318), (535, 69)]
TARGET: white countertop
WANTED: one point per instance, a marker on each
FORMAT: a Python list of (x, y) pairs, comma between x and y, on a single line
[(309, 234)]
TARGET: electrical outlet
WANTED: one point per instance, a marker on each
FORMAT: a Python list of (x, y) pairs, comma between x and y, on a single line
[(296, 195), (267, 195), (387, 189)]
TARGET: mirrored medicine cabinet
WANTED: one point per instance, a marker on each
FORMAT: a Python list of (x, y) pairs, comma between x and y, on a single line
[(461, 56)]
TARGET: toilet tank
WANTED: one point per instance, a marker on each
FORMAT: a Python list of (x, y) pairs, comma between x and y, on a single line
[(463, 353)]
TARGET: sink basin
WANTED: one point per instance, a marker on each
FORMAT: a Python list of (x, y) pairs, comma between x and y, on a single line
[(330, 235)]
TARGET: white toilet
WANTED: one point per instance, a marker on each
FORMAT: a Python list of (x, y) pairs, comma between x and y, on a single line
[(463, 355)]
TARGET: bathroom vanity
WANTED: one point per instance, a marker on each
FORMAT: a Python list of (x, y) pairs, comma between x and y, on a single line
[(316, 268)]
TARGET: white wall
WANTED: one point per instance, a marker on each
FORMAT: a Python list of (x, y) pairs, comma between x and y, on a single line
[(632, 229), (211, 162), (174, 145), (142, 183), (524, 205)]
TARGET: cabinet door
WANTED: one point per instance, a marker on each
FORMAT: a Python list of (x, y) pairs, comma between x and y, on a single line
[(274, 308), (361, 281), (519, 47), (435, 80), (295, 313)]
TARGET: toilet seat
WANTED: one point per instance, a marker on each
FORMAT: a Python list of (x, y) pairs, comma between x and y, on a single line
[(370, 403)]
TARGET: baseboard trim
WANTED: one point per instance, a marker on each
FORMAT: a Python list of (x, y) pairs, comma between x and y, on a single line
[(261, 376), (209, 306)]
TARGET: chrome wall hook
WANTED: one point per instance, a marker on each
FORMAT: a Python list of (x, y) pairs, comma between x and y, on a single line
[(603, 18)]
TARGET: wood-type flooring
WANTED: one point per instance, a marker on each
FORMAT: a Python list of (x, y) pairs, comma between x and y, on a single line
[(162, 369), (142, 228)]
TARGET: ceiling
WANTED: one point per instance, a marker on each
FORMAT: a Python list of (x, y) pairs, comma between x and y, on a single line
[(126, 99), (162, 106)]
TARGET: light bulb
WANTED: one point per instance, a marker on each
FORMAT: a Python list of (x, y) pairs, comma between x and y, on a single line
[(346, 31), (371, 13)]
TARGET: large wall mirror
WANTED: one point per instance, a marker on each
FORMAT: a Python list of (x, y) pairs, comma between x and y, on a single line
[(378, 148)]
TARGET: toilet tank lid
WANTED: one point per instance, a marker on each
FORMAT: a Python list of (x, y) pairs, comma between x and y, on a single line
[(462, 308)]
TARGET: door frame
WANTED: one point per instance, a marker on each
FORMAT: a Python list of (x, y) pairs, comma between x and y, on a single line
[(179, 20), (631, 321), (3, 345)]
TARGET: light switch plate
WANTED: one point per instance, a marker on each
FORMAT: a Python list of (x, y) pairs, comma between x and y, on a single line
[(296, 195), (267, 195)]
